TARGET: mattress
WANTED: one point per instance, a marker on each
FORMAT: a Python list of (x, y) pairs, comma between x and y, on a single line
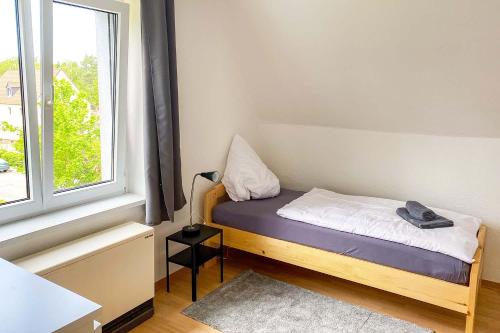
[(259, 217)]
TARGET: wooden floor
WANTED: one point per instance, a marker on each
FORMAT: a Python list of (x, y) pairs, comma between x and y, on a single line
[(168, 306)]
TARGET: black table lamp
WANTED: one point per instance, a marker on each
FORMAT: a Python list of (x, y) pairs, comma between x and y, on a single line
[(194, 230)]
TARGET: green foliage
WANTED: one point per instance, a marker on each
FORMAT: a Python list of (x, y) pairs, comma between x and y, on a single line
[(77, 149), (8, 64), (84, 76), (11, 64), (14, 158)]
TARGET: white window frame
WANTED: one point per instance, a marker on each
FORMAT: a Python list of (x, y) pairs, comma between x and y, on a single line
[(42, 195), (9, 212)]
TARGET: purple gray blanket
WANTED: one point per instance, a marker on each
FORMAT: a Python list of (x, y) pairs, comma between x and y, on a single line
[(259, 216)]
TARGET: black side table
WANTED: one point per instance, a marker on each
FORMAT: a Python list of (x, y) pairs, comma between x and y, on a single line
[(196, 254)]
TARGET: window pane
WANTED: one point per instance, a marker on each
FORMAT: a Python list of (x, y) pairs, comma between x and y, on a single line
[(84, 81), (13, 176)]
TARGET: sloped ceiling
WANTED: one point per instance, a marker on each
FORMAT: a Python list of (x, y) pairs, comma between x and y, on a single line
[(426, 66)]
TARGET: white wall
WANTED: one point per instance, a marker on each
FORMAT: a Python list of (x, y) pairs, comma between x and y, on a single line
[(398, 99), (213, 100), (456, 173), (428, 67), (214, 105), (45, 239), (416, 81)]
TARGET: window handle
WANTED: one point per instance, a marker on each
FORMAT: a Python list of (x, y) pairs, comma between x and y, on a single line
[(50, 100)]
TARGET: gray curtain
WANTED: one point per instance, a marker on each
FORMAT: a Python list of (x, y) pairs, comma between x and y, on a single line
[(164, 192)]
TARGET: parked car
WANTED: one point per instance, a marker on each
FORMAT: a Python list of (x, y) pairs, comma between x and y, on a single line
[(4, 166)]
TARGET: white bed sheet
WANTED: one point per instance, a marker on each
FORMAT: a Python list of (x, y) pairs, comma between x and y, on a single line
[(377, 218)]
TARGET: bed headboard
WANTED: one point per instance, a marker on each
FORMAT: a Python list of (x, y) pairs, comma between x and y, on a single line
[(213, 197)]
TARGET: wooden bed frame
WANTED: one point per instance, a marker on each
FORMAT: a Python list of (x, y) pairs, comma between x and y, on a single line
[(456, 297)]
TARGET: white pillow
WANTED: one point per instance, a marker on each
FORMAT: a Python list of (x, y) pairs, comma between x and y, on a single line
[(246, 176)]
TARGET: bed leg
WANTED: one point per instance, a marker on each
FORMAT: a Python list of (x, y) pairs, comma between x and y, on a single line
[(469, 322), (471, 315), (475, 282)]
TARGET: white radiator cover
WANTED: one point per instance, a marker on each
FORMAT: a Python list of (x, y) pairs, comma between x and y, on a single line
[(114, 267)]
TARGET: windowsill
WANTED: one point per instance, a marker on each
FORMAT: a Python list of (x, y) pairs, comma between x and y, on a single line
[(14, 230)]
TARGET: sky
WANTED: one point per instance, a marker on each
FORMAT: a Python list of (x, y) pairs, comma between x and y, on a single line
[(74, 31)]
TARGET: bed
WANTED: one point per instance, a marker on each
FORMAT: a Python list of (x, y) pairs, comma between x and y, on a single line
[(254, 227)]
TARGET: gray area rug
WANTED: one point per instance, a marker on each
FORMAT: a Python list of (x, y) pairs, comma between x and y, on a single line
[(255, 303)]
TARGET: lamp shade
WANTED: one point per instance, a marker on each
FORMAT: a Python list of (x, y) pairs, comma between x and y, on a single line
[(211, 175)]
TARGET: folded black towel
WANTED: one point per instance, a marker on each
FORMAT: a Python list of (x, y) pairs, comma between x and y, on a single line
[(419, 211), (438, 222)]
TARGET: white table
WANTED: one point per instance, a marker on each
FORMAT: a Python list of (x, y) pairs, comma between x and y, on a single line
[(29, 303)]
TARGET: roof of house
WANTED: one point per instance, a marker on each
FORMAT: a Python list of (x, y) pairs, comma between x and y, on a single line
[(11, 79)]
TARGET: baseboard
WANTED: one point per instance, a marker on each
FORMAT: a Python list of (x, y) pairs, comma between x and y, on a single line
[(160, 284), (490, 284), (130, 319)]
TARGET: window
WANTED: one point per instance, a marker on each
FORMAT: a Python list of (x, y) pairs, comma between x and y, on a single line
[(14, 180), (84, 62), (62, 143), (12, 91)]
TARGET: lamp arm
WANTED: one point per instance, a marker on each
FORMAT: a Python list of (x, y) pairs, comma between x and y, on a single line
[(191, 201)]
